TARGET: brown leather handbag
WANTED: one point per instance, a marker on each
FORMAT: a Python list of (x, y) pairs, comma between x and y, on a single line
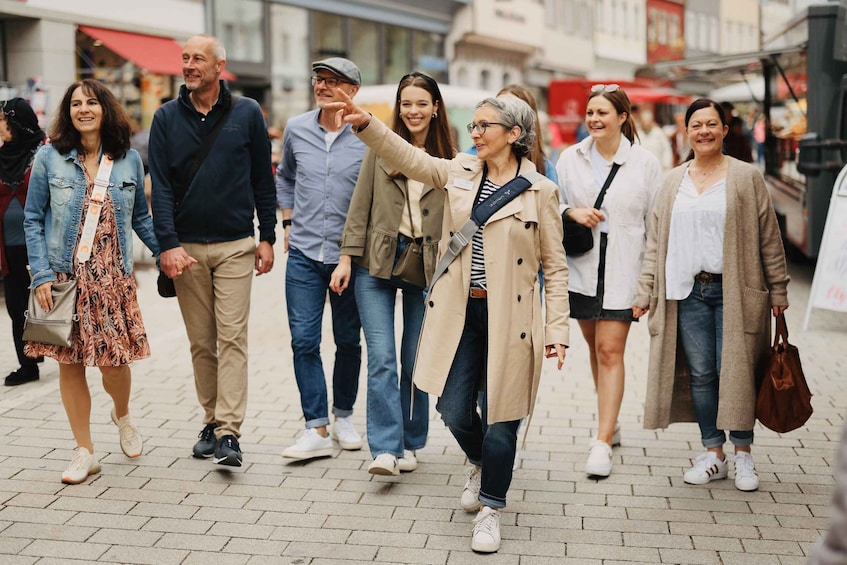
[(784, 400)]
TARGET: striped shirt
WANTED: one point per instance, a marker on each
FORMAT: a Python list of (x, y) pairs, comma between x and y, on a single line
[(477, 258)]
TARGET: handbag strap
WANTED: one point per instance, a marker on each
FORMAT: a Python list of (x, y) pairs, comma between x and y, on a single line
[(781, 330), (612, 173), (481, 214), (95, 205), (203, 152), (409, 208)]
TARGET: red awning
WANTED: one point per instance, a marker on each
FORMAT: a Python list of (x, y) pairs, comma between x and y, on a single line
[(159, 55)]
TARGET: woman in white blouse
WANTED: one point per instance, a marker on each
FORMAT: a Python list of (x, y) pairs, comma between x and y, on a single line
[(602, 281), (714, 270)]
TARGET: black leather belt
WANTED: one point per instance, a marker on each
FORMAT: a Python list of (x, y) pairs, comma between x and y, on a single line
[(708, 278)]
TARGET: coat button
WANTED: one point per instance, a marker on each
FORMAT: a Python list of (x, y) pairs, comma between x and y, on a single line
[(451, 234), (425, 212), (520, 261), (526, 225), (519, 298), (431, 303), (523, 335)]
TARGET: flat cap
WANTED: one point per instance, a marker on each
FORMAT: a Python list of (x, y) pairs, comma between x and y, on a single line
[(345, 68)]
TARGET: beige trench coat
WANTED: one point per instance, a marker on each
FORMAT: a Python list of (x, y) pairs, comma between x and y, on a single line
[(754, 279), (525, 232)]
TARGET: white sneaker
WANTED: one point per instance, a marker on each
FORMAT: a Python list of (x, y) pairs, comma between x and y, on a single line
[(409, 461), (81, 466), (131, 442), (310, 445), (616, 436), (746, 478), (486, 530), (599, 461), (346, 435), (384, 464), (706, 468), (470, 496)]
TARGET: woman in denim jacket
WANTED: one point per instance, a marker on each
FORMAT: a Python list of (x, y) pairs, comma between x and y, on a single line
[(90, 124)]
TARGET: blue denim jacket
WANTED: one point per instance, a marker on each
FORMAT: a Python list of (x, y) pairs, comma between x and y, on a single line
[(53, 211)]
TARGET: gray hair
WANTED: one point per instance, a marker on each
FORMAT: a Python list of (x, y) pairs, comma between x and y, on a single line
[(217, 46), (515, 112)]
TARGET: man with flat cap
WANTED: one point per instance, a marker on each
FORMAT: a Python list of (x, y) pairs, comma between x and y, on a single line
[(314, 182)]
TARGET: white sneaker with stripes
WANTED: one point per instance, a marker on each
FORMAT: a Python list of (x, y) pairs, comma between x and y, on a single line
[(706, 468)]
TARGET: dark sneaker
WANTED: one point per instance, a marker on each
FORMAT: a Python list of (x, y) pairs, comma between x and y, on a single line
[(21, 376), (205, 447), (228, 452)]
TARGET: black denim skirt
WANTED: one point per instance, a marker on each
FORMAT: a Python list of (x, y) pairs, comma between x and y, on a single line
[(591, 307)]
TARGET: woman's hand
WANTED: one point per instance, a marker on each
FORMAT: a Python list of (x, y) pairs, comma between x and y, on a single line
[(777, 310), (588, 217), (347, 111), (557, 350), (340, 278), (637, 311), (44, 295)]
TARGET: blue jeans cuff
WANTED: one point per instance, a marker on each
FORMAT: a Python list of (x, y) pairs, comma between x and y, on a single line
[(491, 501), (716, 441), (317, 423), (339, 413), (741, 441)]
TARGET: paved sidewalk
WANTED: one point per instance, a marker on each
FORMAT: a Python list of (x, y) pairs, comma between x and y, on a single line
[(166, 507)]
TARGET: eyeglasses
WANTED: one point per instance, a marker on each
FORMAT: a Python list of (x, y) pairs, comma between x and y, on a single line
[(482, 126), (606, 87), (330, 82)]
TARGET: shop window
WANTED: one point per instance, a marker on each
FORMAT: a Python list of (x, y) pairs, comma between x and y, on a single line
[(397, 53), (364, 49), (485, 80), (241, 29), (428, 54), (328, 34)]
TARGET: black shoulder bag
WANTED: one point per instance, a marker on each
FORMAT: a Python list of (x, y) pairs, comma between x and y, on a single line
[(165, 284), (578, 239)]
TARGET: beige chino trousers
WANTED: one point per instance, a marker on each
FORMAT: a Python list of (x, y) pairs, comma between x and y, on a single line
[(214, 297)]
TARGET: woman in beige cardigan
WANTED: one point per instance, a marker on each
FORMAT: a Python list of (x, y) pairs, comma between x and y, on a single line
[(484, 328), (386, 213), (713, 270)]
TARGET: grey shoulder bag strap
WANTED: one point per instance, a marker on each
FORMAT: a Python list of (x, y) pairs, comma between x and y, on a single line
[(479, 215)]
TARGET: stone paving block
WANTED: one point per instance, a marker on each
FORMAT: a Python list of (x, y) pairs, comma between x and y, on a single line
[(25, 560), (319, 535), (165, 510), (714, 530), (675, 541), (624, 553), (803, 522), (577, 510), (110, 536), (291, 519), (576, 536), (30, 500), (691, 557), (65, 549), (217, 557), (205, 542), (35, 515), (772, 547), (143, 495), (257, 491), (608, 525), (714, 543), (57, 532), (363, 510), (418, 556), (89, 519), (278, 505), (789, 534), (384, 525), (250, 531), (387, 539), (733, 558), (348, 497), (11, 546), (426, 514), (747, 519), (178, 525), (331, 551), (469, 558), (150, 555), (780, 509), (718, 506), (539, 560)]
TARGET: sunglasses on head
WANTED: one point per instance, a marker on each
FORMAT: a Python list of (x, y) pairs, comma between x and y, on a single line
[(606, 87)]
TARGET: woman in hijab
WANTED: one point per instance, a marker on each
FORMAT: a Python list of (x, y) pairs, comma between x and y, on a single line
[(21, 138)]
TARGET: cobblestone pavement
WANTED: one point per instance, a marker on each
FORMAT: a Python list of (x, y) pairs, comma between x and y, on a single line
[(166, 507)]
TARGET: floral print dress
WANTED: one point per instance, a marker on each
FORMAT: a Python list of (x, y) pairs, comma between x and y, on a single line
[(110, 331)]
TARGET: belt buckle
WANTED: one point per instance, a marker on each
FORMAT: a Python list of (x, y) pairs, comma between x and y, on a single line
[(704, 278)]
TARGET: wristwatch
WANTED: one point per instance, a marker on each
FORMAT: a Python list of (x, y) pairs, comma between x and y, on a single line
[(286, 223)]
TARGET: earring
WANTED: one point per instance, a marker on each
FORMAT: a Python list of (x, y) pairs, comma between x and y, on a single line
[(434, 115)]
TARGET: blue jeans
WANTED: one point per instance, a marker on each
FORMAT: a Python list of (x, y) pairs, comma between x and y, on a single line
[(493, 447), (701, 332), (306, 287), (393, 424)]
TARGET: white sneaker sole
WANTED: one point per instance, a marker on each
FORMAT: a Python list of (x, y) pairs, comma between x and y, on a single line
[(306, 455), (70, 481), (485, 547), (598, 470), (707, 480), (471, 507), (348, 446), (375, 469)]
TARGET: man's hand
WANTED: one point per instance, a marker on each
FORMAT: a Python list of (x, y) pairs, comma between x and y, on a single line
[(174, 261), (557, 350), (264, 258)]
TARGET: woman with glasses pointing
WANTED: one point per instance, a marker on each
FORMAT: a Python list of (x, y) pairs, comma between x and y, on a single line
[(602, 280), (484, 329)]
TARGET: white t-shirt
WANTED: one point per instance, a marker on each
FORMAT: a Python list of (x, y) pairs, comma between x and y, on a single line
[(695, 242)]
